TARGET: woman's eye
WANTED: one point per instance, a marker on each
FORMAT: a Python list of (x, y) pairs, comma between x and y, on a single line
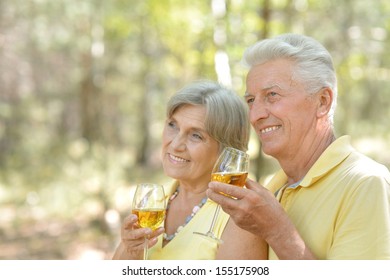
[(171, 124), (196, 136)]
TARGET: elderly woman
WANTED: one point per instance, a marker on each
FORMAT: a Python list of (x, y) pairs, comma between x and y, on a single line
[(202, 119)]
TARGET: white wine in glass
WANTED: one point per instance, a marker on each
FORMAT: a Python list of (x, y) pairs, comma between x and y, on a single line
[(149, 206), (231, 168)]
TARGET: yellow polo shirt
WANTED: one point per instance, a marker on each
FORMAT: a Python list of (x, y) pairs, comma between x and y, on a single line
[(341, 208)]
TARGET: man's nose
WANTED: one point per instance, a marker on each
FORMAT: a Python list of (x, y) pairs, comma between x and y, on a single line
[(258, 111)]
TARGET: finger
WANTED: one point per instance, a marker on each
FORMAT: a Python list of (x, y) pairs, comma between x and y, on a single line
[(153, 238), (152, 242), (157, 232), (135, 246), (220, 198), (139, 244), (134, 234), (229, 190), (146, 233), (129, 221), (256, 187), (252, 185)]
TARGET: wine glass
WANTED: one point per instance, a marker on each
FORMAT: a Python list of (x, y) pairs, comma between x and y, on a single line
[(149, 206), (231, 168)]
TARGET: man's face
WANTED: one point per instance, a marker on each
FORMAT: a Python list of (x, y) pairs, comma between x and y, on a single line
[(282, 113)]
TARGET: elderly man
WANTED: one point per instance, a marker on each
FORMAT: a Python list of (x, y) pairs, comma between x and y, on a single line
[(328, 201)]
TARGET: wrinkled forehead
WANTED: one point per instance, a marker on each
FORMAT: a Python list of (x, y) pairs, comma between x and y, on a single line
[(272, 74)]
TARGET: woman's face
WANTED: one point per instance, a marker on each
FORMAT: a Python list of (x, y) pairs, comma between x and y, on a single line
[(188, 151)]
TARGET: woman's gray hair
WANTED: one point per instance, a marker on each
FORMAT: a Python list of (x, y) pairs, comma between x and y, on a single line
[(226, 113), (314, 65)]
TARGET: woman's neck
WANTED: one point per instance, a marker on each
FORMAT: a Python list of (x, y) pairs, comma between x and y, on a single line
[(190, 192)]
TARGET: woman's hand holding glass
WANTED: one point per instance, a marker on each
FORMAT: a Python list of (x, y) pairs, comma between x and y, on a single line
[(133, 236), (141, 228)]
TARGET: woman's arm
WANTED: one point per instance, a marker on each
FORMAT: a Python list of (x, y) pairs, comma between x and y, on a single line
[(240, 244)]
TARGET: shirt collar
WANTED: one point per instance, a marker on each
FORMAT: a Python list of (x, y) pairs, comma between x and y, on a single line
[(336, 152)]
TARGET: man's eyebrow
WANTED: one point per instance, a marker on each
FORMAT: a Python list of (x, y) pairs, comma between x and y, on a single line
[(272, 86), (246, 94)]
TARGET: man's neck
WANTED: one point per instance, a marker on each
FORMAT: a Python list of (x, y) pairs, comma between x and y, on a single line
[(296, 167)]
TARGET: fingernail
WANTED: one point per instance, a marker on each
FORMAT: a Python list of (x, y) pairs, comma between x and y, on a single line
[(133, 218)]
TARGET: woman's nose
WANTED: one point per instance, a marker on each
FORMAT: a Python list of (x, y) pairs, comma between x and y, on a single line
[(178, 142)]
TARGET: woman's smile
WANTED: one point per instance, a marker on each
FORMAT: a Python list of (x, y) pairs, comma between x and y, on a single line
[(177, 159)]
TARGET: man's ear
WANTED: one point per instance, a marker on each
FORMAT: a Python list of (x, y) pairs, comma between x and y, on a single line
[(325, 97)]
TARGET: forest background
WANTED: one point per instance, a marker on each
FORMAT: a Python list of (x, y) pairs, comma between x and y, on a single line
[(83, 88)]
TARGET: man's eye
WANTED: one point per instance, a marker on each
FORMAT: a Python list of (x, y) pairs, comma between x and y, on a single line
[(250, 100), (272, 93)]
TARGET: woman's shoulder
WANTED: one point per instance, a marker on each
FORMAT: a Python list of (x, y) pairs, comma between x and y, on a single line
[(170, 187)]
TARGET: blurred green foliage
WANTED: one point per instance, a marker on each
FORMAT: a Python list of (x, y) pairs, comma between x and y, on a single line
[(83, 87)]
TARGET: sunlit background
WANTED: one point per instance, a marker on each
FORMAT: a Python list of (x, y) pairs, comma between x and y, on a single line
[(83, 88)]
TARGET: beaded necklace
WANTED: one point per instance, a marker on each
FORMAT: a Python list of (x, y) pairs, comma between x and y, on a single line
[(189, 217)]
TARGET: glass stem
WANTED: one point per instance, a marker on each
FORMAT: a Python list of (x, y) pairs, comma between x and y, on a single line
[(211, 230), (146, 247)]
